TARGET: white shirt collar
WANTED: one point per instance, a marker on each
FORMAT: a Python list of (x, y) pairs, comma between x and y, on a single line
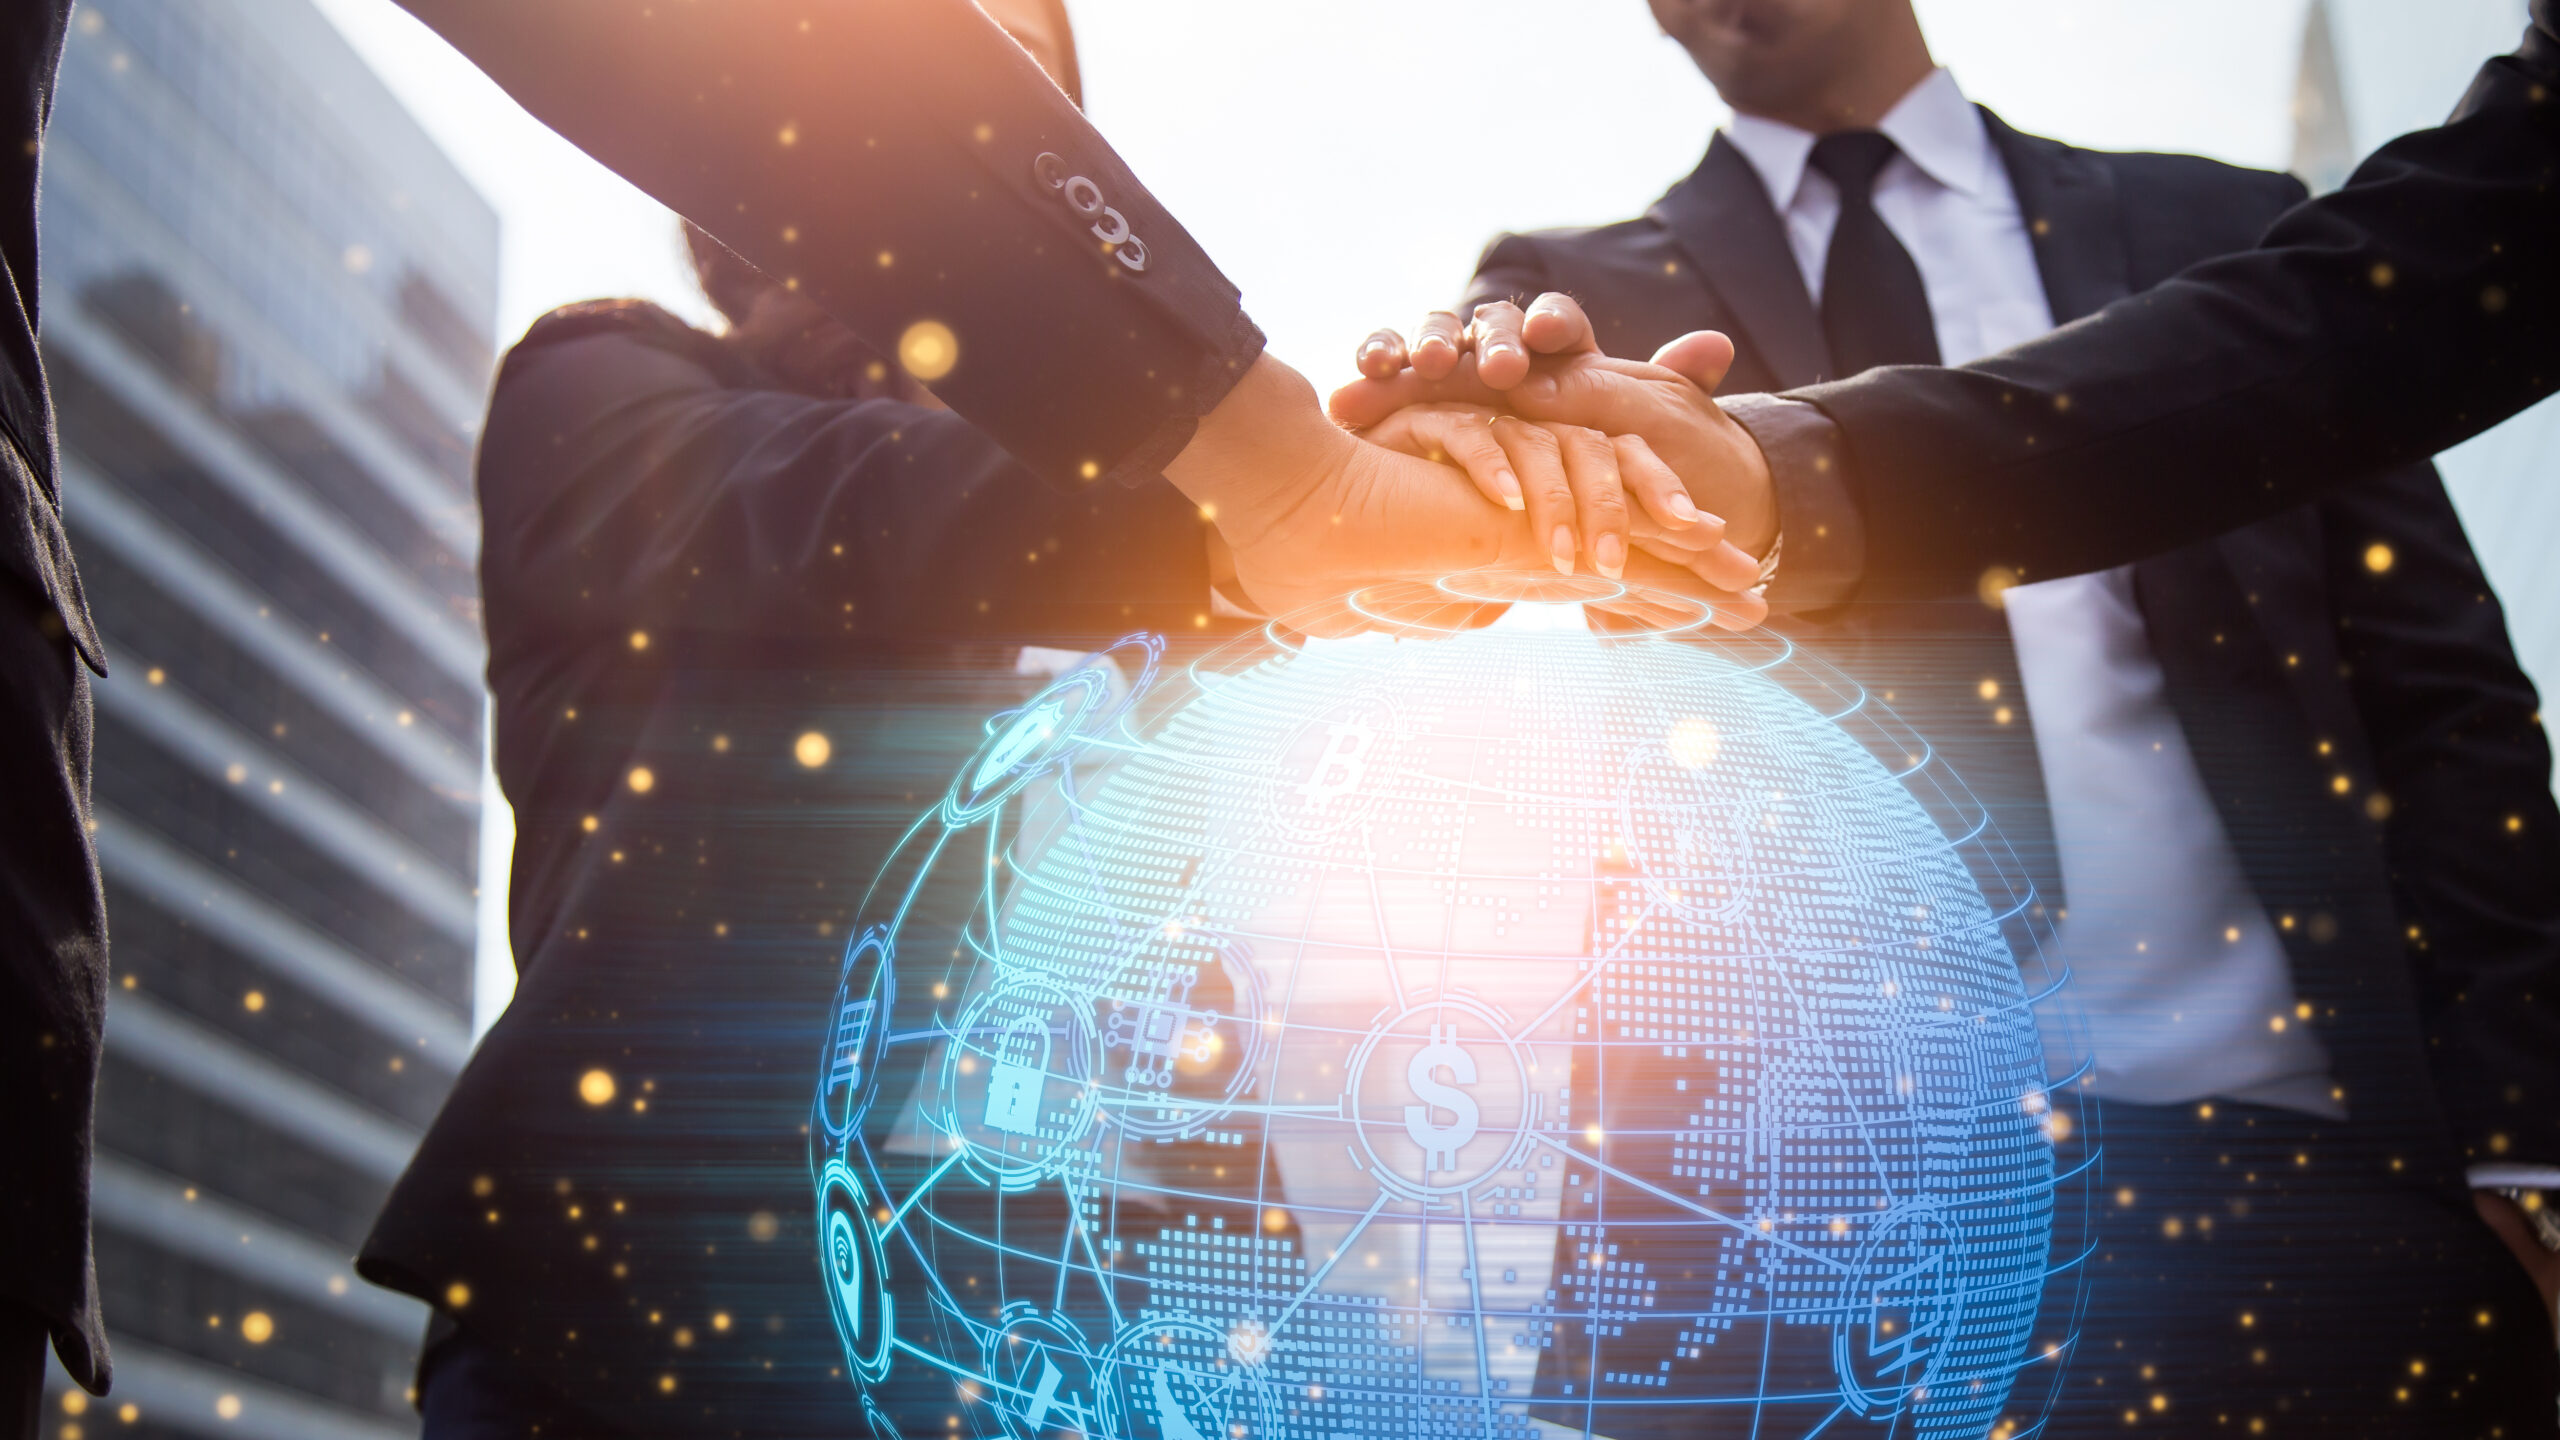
[(1935, 127)]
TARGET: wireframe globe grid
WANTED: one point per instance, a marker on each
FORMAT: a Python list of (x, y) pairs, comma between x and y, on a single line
[(1450, 1031)]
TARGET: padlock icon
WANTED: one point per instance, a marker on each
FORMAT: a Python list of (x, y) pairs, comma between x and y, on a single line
[(1016, 1081)]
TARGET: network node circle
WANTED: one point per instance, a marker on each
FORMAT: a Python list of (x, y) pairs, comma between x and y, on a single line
[(1454, 1030)]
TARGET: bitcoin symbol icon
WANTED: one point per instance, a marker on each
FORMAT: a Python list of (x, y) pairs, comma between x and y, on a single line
[(1339, 768), (1440, 1143)]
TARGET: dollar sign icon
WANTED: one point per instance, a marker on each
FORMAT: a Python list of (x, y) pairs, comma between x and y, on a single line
[(1440, 1143), (1338, 770)]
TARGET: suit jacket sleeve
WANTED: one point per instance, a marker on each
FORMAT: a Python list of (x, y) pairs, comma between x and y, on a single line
[(2370, 327), (1512, 269), (2473, 837), (627, 488), (885, 157)]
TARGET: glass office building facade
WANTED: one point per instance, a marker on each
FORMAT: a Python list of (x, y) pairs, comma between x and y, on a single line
[(267, 309)]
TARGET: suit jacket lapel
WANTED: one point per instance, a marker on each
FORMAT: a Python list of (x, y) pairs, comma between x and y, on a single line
[(2073, 220), (1722, 218)]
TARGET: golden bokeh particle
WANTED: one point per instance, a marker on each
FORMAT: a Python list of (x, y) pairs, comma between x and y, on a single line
[(156, 676), (639, 639), (1989, 689), (2378, 557), (763, 1225), (720, 1321), (257, 1327), (1995, 585), (812, 749), (588, 824), (227, 1406), (254, 1001), (928, 350), (2382, 274), (789, 135), (641, 780), (596, 1087), (457, 1295), (74, 1403)]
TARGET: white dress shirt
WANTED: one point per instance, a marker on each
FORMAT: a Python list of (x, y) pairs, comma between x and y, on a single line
[(2174, 966)]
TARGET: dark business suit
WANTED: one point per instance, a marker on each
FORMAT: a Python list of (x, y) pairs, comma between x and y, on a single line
[(687, 568), (2378, 325), (2364, 736), (53, 929)]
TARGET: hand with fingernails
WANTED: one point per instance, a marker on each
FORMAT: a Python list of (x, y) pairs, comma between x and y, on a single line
[(1666, 440)]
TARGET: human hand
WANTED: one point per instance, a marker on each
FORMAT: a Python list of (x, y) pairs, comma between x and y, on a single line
[(1588, 493), (1544, 364), (1310, 513), (2512, 1227)]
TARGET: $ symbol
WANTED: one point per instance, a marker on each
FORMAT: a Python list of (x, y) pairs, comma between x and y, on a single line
[(1339, 768), (1439, 1142)]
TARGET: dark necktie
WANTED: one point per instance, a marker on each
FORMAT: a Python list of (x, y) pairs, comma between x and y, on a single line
[(1875, 311)]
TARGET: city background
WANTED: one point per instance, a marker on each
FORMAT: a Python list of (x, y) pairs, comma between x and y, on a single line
[(283, 242)]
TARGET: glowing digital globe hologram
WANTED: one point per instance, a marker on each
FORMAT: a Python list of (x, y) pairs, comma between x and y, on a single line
[(1452, 1031)]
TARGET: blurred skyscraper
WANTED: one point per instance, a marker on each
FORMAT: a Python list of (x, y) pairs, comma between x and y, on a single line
[(2373, 69), (267, 311)]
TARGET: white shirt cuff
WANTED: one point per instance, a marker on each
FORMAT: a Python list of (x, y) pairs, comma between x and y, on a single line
[(2514, 1177)]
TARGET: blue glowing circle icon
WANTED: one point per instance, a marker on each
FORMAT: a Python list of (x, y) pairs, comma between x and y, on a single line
[(865, 995), (1510, 1030), (1050, 1383), (1048, 730), (857, 1276), (1017, 1089)]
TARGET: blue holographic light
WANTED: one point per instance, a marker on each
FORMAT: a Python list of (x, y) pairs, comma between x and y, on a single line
[(1497, 1032)]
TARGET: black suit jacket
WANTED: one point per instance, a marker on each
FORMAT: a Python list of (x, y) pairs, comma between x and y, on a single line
[(2375, 326), (886, 157), (687, 569), (53, 934), (2369, 741)]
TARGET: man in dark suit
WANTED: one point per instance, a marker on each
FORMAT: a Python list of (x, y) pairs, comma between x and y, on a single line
[(2289, 786), (745, 614), (749, 598)]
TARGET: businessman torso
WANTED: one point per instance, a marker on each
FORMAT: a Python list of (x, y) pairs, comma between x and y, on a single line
[(2348, 723), (741, 638)]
